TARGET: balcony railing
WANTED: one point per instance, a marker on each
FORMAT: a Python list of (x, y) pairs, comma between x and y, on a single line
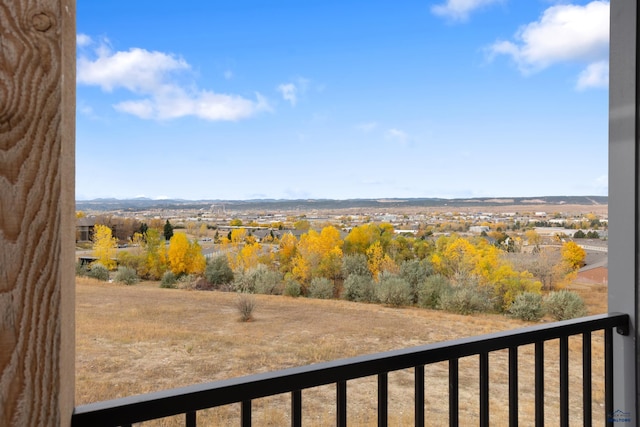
[(189, 400)]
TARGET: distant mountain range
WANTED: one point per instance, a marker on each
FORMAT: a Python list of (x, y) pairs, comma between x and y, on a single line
[(138, 204)]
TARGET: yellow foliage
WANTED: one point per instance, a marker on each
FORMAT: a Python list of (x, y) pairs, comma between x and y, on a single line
[(288, 248), (155, 254), (318, 254), (237, 236), (185, 257), (361, 237), (104, 246), (248, 256), (573, 255), (375, 255)]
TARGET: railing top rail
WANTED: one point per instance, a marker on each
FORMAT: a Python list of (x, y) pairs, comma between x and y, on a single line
[(200, 396)]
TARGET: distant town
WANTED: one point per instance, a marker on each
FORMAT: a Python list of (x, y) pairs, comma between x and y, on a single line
[(551, 216)]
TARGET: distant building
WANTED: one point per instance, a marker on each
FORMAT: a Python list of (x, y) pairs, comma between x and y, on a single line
[(84, 229), (479, 229)]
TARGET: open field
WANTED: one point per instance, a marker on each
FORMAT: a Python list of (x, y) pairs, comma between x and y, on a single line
[(141, 338)]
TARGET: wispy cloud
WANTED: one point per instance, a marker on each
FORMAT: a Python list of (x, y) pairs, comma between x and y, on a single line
[(153, 76), (397, 135), (291, 91), (459, 10), (367, 127), (564, 33)]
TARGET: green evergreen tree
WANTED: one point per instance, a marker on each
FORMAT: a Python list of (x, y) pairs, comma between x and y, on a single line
[(168, 230)]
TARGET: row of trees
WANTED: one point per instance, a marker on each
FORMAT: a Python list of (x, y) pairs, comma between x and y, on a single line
[(371, 251), (150, 256)]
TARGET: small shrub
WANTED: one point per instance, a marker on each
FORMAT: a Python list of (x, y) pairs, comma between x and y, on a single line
[(81, 269), (266, 281), (467, 299), (395, 291), (126, 275), (292, 288), (564, 305), (98, 271), (355, 264), (321, 288), (169, 280), (430, 291), (527, 306), (186, 281), (359, 288), (415, 272), (245, 304), (218, 272)]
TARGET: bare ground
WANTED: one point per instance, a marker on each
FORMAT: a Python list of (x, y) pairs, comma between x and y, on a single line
[(138, 339)]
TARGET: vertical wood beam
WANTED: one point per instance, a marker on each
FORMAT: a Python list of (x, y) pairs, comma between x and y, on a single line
[(624, 176), (37, 180)]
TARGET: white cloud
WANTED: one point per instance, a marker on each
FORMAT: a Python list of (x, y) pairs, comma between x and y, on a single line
[(397, 135), (459, 10), (289, 92), (564, 33), (151, 75), (596, 75), (367, 127), (292, 90), (83, 40)]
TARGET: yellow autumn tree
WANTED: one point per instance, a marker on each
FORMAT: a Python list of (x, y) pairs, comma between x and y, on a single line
[(185, 257), (248, 257), (379, 261), (573, 255), (155, 254), (104, 246), (318, 255), (534, 239), (360, 238), (288, 247)]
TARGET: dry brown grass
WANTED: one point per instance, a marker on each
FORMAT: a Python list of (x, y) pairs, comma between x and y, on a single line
[(138, 339)]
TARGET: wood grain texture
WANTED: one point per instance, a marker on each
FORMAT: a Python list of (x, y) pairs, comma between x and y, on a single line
[(37, 79)]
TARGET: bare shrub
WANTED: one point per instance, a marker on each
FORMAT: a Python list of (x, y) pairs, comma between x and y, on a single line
[(245, 304)]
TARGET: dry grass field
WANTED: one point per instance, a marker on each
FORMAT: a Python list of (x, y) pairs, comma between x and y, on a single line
[(138, 339)]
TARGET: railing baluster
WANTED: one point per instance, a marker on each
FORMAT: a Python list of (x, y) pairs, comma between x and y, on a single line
[(513, 386), (296, 408), (608, 376), (587, 410), (190, 419), (453, 392), (539, 381), (245, 414), (484, 389), (383, 402), (564, 381), (341, 402), (419, 395)]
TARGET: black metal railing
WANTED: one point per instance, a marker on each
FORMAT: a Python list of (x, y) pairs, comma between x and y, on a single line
[(189, 400)]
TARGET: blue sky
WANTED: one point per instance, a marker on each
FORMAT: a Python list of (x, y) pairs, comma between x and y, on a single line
[(249, 99)]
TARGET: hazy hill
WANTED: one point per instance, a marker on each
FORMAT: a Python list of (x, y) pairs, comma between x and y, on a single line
[(309, 204)]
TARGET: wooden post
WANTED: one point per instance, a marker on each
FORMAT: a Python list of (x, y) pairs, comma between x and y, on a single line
[(37, 162)]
